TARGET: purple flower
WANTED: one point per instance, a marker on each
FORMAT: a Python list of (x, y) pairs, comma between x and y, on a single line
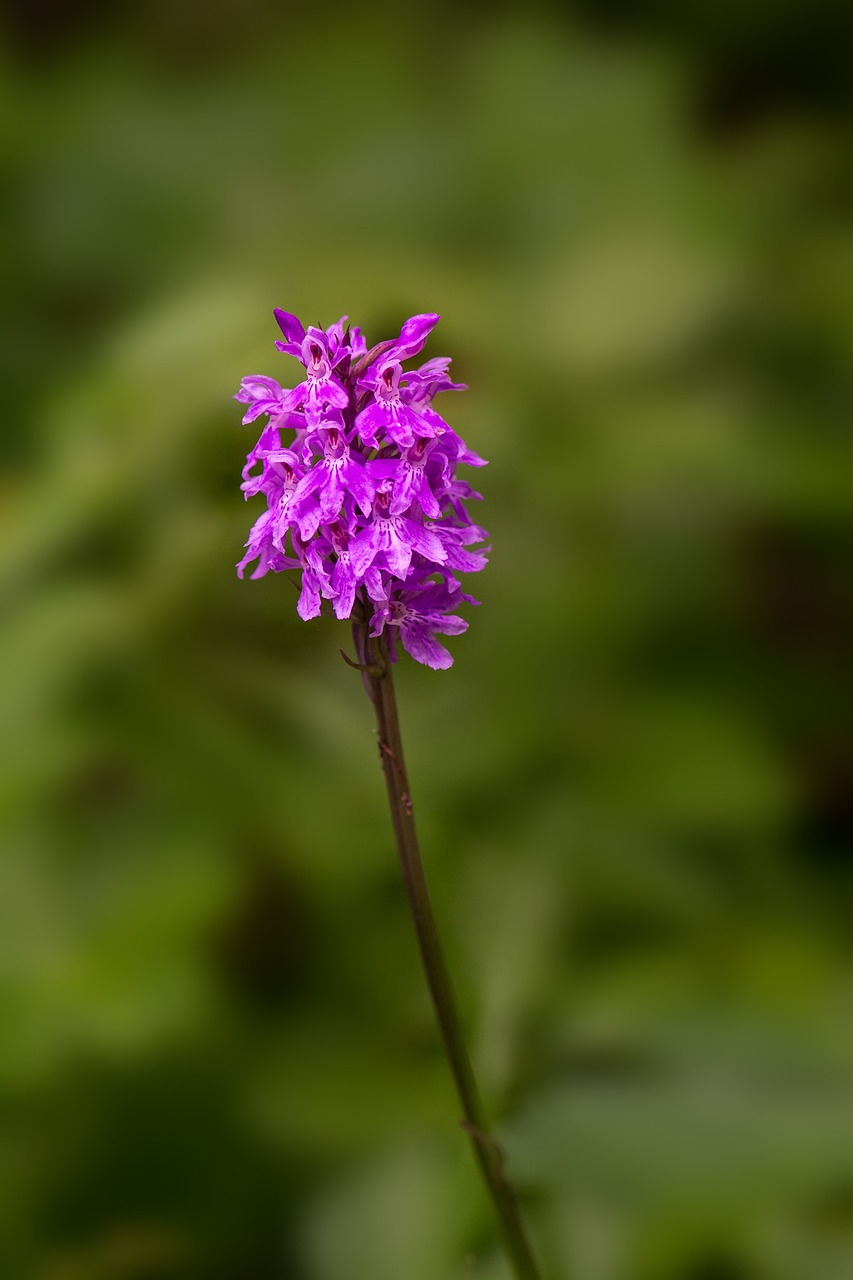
[(321, 389), (263, 548), (345, 579), (363, 498), (423, 384), (409, 484), (389, 413), (262, 395), (390, 541), (420, 614), (321, 493)]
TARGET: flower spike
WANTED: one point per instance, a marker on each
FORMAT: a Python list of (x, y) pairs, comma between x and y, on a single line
[(363, 495)]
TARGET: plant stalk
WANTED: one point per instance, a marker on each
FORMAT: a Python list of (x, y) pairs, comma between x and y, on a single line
[(378, 681)]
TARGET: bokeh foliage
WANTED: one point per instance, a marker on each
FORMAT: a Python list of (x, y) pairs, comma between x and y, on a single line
[(217, 1059)]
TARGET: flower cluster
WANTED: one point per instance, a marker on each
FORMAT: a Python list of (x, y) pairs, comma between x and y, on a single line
[(363, 495)]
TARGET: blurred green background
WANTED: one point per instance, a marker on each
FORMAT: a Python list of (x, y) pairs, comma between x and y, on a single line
[(217, 1061)]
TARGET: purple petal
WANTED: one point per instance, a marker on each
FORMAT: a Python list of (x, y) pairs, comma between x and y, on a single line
[(357, 482), (344, 583), (414, 334), (289, 325), (398, 546), (330, 491), (370, 423), (363, 549), (412, 487), (420, 642), (308, 604), (424, 541), (450, 625)]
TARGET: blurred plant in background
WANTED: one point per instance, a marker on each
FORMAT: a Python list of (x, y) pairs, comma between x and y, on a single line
[(635, 221)]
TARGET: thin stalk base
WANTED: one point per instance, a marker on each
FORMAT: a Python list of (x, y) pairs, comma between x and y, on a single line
[(378, 681)]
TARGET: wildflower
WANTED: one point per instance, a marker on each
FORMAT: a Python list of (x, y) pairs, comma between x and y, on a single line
[(321, 493), (419, 613), (363, 497)]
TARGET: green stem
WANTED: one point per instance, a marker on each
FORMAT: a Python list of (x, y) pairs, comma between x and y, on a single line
[(378, 681)]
